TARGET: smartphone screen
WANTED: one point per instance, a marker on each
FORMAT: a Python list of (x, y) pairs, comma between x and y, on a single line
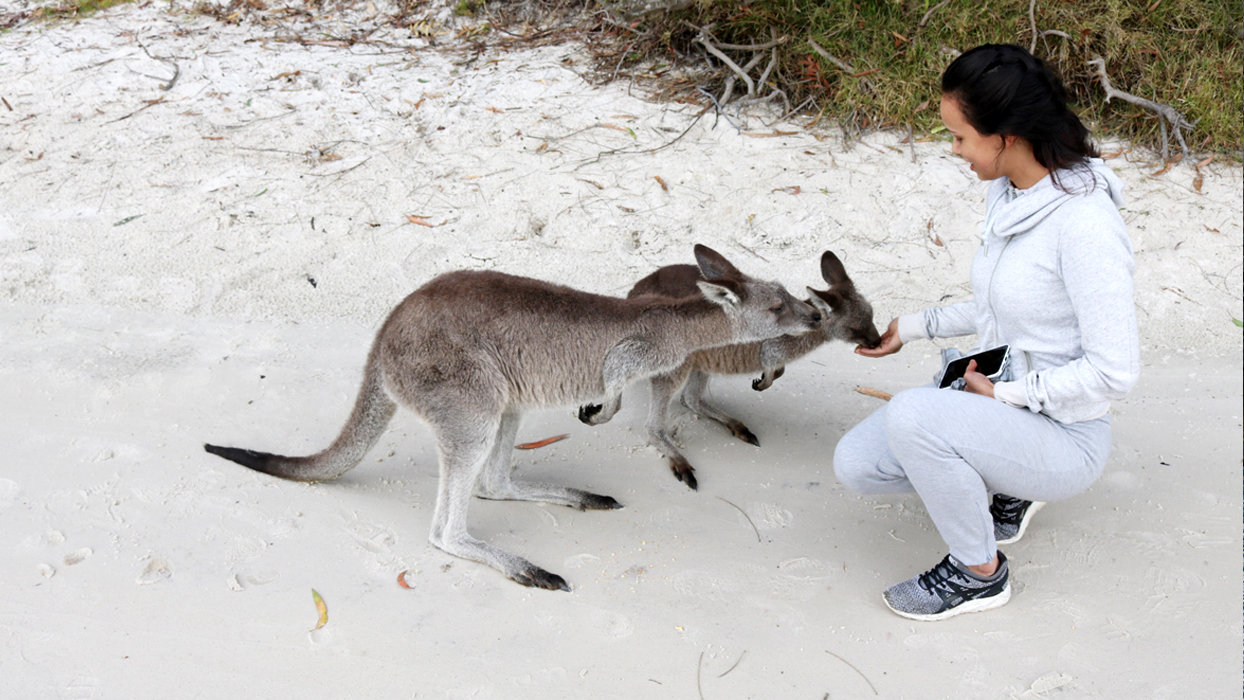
[(988, 363)]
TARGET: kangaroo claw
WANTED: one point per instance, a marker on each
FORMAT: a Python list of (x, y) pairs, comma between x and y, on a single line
[(685, 473), (593, 501), (746, 436), (535, 577)]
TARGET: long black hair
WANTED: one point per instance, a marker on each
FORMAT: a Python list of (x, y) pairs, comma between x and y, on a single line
[(1002, 89)]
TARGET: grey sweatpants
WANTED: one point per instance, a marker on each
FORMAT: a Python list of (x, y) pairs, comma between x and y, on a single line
[(955, 449)]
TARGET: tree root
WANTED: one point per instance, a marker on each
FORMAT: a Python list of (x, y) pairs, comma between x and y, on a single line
[(1166, 113)]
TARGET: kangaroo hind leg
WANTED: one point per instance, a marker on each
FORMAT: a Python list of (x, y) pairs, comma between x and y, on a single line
[(664, 386), (496, 480), (465, 447), (693, 398)]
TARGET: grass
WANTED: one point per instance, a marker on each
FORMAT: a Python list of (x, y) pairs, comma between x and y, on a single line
[(1185, 53)]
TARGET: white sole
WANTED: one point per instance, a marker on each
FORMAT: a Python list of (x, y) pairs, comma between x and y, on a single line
[(1023, 523), (977, 605)]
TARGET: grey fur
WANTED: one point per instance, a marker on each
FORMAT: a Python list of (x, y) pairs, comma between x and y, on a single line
[(846, 316), (471, 351)]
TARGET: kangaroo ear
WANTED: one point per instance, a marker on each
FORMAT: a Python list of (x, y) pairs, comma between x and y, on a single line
[(831, 299), (722, 292), (713, 266), (833, 271)]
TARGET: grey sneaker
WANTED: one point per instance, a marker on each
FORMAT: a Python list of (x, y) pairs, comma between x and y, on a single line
[(1011, 517), (949, 589)]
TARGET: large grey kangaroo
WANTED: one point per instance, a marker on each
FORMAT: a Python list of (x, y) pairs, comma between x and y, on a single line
[(846, 315), (471, 351)]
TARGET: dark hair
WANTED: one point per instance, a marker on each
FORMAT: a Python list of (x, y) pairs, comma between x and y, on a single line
[(1002, 89)]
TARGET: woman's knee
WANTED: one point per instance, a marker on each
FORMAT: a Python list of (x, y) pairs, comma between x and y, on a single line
[(856, 458)]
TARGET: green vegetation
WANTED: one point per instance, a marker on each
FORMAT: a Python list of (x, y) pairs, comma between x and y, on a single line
[(1183, 53)]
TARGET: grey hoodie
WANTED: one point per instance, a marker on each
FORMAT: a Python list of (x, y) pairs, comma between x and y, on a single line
[(1052, 279)]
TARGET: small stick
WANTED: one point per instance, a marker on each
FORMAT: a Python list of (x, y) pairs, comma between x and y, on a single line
[(698, 667), (1032, 21), (541, 443), (853, 668), (925, 20), (736, 663), (745, 515), (875, 393)]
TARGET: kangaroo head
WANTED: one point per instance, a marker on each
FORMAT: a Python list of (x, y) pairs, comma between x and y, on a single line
[(848, 315), (758, 309)]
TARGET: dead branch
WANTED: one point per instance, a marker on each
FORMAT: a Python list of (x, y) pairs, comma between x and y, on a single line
[(708, 46), (1032, 22), (847, 67), (925, 19), (1165, 113)]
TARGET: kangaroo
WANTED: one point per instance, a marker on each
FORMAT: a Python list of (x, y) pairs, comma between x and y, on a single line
[(471, 351), (846, 315)]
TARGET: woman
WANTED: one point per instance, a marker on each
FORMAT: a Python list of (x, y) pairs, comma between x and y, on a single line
[(1053, 280)]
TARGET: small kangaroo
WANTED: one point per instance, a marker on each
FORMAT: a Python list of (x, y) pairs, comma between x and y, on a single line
[(471, 351), (846, 315)]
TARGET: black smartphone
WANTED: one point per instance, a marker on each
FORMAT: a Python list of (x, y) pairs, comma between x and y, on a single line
[(988, 362)]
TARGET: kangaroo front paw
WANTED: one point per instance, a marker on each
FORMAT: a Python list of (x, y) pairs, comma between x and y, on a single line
[(685, 473), (536, 577), (762, 382), (589, 414)]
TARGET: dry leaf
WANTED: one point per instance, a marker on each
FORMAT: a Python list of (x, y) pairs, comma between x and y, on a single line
[(321, 608), (593, 183), (875, 393), (418, 220), (493, 110), (793, 189), (661, 182), (541, 443), (1197, 182), (922, 106), (612, 126), (1205, 162), (937, 241), (769, 136), (401, 581)]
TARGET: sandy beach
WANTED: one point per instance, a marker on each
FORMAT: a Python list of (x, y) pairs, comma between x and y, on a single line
[(202, 227)]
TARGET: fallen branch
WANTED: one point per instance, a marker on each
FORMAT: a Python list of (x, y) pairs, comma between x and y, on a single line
[(847, 67), (1166, 113)]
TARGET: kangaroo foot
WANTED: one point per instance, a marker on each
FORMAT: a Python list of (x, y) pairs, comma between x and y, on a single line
[(685, 473), (595, 501), (762, 382), (536, 577), (741, 432)]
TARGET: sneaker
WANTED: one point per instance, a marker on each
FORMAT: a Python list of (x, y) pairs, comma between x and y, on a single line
[(948, 589), (1011, 517)]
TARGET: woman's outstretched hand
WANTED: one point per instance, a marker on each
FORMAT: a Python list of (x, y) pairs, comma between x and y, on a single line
[(890, 343), (977, 383)]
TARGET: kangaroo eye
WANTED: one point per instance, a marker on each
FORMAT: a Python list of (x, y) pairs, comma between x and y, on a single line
[(778, 309)]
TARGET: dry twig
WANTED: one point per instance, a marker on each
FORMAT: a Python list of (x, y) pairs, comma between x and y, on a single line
[(1166, 113)]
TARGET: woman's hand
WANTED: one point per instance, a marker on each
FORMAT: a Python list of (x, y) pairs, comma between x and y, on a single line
[(890, 343), (976, 382)]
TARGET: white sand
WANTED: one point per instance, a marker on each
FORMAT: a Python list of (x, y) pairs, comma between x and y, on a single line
[(134, 565)]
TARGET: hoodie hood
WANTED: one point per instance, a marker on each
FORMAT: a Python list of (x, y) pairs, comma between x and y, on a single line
[(1017, 211)]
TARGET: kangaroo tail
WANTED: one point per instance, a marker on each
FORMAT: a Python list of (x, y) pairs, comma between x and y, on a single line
[(372, 411)]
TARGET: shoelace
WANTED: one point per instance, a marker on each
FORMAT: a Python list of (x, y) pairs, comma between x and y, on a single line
[(1008, 510), (940, 575)]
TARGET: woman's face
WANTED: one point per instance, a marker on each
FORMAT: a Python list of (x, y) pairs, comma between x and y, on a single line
[(982, 152)]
